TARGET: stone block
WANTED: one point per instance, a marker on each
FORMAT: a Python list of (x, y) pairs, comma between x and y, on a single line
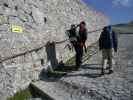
[(3, 19)]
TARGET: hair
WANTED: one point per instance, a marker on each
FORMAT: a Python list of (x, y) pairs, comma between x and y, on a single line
[(105, 28), (83, 23), (73, 26)]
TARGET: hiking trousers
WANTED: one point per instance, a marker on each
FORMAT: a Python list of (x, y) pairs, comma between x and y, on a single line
[(107, 58), (79, 55)]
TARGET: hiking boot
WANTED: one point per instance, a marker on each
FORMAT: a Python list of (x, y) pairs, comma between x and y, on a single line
[(110, 71)]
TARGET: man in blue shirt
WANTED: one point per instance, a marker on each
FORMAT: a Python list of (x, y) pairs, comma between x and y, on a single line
[(107, 41)]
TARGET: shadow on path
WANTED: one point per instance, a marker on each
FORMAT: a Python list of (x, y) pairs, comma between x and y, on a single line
[(89, 68), (72, 71), (92, 66), (92, 75)]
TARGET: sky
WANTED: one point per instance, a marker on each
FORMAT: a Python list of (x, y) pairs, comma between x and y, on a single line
[(118, 11)]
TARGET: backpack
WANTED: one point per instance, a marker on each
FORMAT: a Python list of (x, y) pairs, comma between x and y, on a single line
[(72, 34)]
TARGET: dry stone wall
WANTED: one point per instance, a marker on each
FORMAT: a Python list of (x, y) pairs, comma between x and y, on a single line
[(37, 22)]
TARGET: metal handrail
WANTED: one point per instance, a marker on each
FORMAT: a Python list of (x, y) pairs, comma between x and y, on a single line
[(37, 49)]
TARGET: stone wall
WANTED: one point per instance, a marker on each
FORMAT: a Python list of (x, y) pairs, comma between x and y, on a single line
[(40, 21), (43, 21)]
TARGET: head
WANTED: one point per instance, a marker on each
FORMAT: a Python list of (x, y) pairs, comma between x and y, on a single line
[(109, 28), (82, 24), (105, 28), (73, 26)]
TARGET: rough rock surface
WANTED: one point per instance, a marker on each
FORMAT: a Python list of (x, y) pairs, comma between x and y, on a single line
[(17, 77), (41, 21)]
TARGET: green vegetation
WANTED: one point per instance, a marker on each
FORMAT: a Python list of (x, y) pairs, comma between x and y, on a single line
[(21, 95), (71, 61), (123, 28), (56, 73)]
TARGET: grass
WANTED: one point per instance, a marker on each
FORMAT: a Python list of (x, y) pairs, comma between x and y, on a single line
[(56, 74), (123, 28), (69, 65), (71, 61), (21, 95)]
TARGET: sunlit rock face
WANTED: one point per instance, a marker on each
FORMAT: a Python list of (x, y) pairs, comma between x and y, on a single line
[(37, 22), (42, 21)]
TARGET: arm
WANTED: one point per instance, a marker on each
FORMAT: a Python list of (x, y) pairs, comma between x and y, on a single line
[(115, 41), (100, 42)]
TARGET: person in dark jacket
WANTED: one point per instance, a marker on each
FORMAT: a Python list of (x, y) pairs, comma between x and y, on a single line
[(107, 41), (81, 39), (75, 41), (83, 34), (73, 34)]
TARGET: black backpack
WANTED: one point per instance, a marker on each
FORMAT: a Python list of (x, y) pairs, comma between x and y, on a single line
[(71, 32)]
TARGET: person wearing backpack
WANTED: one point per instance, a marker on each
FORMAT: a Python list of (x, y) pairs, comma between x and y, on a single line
[(80, 44), (74, 40), (83, 34), (72, 34), (107, 41)]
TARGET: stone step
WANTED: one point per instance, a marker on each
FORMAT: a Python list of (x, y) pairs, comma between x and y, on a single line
[(50, 91), (60, 90)]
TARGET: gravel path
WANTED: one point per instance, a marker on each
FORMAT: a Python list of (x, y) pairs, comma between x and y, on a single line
[(88, 84)]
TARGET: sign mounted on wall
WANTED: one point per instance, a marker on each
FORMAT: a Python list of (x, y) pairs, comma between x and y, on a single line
[(16, 29)]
